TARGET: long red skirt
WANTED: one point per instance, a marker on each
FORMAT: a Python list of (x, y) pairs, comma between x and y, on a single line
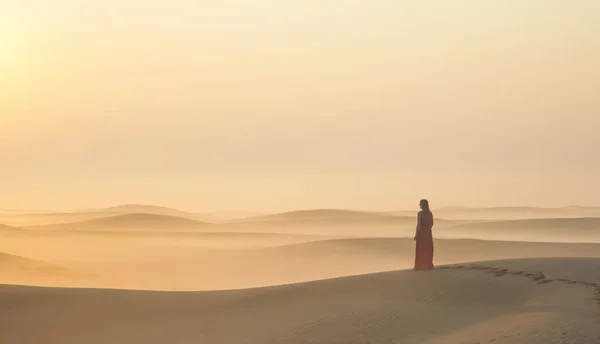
[(424, 250)]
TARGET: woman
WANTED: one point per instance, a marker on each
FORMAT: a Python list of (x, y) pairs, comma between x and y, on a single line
[(424, 238)]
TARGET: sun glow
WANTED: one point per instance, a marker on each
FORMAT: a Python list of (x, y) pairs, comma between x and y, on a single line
[(8, 44)]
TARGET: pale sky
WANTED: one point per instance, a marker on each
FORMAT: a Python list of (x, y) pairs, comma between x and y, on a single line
[(271, 105)]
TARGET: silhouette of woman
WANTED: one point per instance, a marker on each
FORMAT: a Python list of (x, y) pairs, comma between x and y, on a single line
[(424, 238)]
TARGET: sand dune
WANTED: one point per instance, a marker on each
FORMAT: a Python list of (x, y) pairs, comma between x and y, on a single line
[(12, 261), (348, 290), (316, 222), (170, 219), (157, 210), (520, 301), (20, 211), (447, 250), (347, 223), (139, 222), (28, 271), (313, 222), (209, 261), (332, 222), (323, 215), (44, 217), (510, 213), (37, 219), (332, 216), (555, 229), (47, 217), (541, 224), (5, 228), (228, 216), (144, 208), (28, 218)]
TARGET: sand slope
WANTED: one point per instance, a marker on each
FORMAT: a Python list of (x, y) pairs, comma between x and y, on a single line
[(478, 303)]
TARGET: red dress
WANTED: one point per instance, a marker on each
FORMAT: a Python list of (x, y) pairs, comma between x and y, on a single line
[(424, 246)]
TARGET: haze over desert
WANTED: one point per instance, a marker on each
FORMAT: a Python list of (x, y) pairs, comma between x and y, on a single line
[(311, 276), (299, 172)]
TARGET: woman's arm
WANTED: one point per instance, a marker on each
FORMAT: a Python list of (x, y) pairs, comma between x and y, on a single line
[(418, 225)]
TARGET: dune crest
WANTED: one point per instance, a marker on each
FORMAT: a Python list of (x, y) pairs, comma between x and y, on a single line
[(136, 221)]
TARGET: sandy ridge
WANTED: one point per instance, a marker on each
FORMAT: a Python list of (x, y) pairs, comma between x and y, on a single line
[(537, 276)]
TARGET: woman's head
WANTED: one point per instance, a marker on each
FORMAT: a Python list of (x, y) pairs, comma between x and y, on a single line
[(424, 204)]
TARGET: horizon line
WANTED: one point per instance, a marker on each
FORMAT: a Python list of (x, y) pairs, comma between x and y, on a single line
[(451, 207)]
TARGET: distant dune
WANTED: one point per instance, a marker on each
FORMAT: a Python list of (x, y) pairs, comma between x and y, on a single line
[(36, 219), (328, 222), (19, 211), (444, 216), (332, 217), (343, 257), (321, 215), (511, 213), (555, 229), (514, 302), (310, 222), (590, 223), (8, 228), (10, 259), (147, 209), (226, 216), (447, 251), (240, 260), (140, 222), (332, 222), (46, 218), (25, 271), (15, 268), (353, 223), (451, 213)]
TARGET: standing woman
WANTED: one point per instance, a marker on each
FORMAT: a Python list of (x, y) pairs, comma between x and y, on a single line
[(424, 238)]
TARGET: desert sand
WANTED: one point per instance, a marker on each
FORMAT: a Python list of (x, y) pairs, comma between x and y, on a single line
[(108, 276), (499, 301)]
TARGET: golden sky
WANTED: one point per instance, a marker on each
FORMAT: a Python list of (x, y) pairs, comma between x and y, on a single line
[(280, 104)]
